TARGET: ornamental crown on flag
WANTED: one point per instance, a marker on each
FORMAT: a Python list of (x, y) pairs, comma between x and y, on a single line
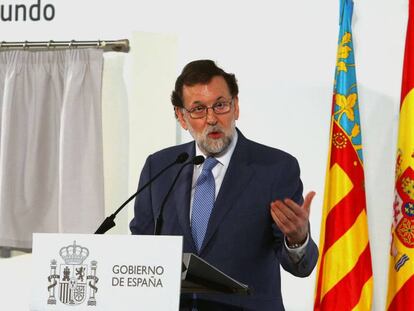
[(344, 277), (401, 269)]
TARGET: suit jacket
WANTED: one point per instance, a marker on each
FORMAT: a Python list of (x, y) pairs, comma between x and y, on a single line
[(241, 239)]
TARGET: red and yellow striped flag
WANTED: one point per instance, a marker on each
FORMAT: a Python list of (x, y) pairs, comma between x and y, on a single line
[(401, 266), (344, 277)]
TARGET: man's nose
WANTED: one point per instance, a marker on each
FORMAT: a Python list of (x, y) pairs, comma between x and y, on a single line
[(211, 117)]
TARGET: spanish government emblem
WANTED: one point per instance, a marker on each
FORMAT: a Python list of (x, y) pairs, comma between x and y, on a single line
[(76, 280)]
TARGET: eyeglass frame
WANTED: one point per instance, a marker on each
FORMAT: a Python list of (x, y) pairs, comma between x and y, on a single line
[(206, 108)]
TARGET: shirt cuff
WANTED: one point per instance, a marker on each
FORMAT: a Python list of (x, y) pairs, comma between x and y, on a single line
[(296, 254)]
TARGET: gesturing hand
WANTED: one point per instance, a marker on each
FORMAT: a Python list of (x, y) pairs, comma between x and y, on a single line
[(292, 219)]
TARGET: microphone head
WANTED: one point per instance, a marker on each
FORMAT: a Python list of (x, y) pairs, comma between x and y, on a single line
[(198, 160), (182, 157)]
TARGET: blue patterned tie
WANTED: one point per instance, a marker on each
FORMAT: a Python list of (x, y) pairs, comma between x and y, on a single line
[(203, 202)]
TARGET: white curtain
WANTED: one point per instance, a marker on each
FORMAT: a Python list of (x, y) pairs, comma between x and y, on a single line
[(51, 163)]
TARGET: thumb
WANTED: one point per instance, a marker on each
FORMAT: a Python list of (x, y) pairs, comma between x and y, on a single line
[(308, 200)]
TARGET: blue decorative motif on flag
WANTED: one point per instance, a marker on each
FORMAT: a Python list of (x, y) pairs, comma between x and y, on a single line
[(346, 108)]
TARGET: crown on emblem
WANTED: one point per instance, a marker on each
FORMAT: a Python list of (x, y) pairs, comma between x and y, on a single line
[(74, 254)]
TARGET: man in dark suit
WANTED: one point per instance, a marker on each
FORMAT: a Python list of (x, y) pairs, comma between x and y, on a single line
[(258, 218)]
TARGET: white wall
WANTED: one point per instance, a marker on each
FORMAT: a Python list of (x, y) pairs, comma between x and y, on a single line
[(283, 53)]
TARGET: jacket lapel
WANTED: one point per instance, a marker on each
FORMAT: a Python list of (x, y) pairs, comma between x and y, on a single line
[(182, 196), (237, 177)]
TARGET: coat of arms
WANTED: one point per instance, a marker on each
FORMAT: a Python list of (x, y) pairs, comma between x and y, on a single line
[(75, 279)]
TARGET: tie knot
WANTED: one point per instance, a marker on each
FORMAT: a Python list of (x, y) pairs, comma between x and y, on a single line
[(209, 164)]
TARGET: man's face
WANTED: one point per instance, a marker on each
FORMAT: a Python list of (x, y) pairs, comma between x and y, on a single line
[(214, 132)]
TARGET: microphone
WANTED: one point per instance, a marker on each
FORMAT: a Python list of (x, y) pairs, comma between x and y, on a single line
[(159, 221), (108, 223)]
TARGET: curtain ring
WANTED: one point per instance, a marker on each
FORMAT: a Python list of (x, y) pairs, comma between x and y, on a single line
[(49, 44), (25, 45), (71, 44), (98, 44)]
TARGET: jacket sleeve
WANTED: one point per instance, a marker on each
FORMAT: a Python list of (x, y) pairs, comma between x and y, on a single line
[(291, 187), (143, 221)]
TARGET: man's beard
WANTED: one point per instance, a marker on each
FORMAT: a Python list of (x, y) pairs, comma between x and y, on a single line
[(210, 146)]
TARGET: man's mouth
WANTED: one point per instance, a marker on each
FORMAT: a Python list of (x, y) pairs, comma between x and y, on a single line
[(215, 134)]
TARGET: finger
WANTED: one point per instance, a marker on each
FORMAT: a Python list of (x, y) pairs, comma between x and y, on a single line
[(305, 206), (297, 217), (308, 200), (281, 215), (293, 206), (288, 228), (281, 208), (282, 222), (285, 217)]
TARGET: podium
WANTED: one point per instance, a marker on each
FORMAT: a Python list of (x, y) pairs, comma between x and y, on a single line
[(199, 276), (114, 272)]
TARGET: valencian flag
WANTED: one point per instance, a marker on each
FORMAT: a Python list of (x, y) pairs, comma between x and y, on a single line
[(344, 277), (401, 267)]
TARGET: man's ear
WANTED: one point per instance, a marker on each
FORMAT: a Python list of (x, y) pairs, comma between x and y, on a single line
[(180, 117), (236, 108)]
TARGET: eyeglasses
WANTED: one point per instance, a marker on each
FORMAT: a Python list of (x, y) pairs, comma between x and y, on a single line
[(220, 107)]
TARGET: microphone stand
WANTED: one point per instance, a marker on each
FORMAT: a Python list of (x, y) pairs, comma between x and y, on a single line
[(109, 222), (159, 221)]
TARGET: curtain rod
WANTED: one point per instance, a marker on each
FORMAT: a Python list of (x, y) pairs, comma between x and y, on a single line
[(106, 45)]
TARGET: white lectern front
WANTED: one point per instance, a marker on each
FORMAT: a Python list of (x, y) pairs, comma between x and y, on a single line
[(106, 272)]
